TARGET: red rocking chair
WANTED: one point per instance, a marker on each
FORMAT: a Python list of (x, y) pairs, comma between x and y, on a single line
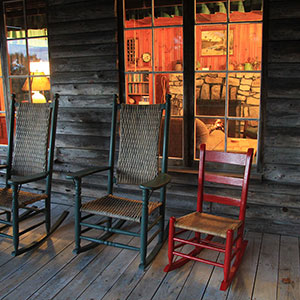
[(230, 229)]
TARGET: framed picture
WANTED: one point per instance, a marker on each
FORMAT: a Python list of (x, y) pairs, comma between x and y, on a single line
[(214, 42)]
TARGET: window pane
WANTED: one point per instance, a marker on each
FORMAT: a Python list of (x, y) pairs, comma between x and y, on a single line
[(209, 131), (246, 10), (138, 50), (211, 45), (247, 49), (36, 18), (14, 19), (168, 13), (139, 88), (138, 13), (18, 61), (242, 135), (38, 50), (210, 94), (211, 12), (170, 84), (176, 137), (168, 49), (19, 86), (244, 95)]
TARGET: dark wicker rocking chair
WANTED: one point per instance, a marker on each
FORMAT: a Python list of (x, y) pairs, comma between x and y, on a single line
[(137, 165), (29, 159)]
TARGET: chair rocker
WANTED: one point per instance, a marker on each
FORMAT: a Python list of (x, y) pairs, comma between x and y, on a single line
[(29, 159), (137, 165), (205, 226)]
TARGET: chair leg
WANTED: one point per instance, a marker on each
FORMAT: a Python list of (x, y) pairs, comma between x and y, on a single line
[(47, 215), (227, 261), (170, 244), (144, 230), (15, 220)]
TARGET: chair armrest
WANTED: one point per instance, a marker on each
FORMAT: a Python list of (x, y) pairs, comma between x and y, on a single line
[(26, 179), (86, 172), (159, 181), (3, 166)]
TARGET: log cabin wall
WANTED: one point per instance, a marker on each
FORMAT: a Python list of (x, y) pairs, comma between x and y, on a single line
[(84, 71)]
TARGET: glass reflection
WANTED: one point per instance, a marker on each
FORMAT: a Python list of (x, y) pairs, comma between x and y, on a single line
[(247, 48), (209, 131), (242, 135), (138, 50), (38, 49), (211, 47), (246, 10), (165, 15), (210, 94), (14, 19), (18, 61), (138, 13), (244, 94), (211, 12), (168, 46)]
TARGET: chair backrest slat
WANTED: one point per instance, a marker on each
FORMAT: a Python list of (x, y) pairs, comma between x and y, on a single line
[(241, 180), (30, 150), (223, 179), (139, 137), (221, 199)]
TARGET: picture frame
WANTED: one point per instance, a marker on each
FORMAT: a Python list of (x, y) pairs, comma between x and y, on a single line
[(213, 42)]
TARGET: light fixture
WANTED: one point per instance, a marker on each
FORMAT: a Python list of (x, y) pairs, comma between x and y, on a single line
[(38, 83), (241, 7), (222, 8)]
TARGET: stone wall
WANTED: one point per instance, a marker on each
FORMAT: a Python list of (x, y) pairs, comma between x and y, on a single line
[(243, 87)]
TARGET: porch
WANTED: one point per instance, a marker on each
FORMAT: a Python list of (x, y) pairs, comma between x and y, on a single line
[(270, 270)]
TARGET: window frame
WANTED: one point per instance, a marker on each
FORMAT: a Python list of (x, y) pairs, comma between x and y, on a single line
[(189, 24), (4, 56)]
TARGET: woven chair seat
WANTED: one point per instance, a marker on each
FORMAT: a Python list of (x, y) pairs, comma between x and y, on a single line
[(118, 207), (24, 198), (207, 223)]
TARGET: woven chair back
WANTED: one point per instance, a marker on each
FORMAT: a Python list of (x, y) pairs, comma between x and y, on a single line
[(31, 139), (139, 137)]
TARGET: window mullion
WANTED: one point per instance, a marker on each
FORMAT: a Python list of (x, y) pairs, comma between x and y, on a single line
[(188, 78)]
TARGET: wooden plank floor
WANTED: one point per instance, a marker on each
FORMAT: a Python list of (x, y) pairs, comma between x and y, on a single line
[(270, 270)]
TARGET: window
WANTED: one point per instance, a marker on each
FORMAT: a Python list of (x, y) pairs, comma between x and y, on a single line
[(27, 50), (211, 67)]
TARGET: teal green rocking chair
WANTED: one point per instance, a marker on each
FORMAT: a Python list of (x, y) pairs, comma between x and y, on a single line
[(138, 164), (29, 159)]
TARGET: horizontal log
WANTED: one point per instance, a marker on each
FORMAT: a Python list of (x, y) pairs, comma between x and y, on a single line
[(284, 51), (284, 70), (282, 137), (90, 129), (283, 88), (284, 10), (283, 113), (81, 64), (83, 50), (89, 89), (83, 26), (84, 142), (80, 115), (81, 39), (81, 11), (83, 156), (282, 173), (83, 101), (284, 30), (276, 155)]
